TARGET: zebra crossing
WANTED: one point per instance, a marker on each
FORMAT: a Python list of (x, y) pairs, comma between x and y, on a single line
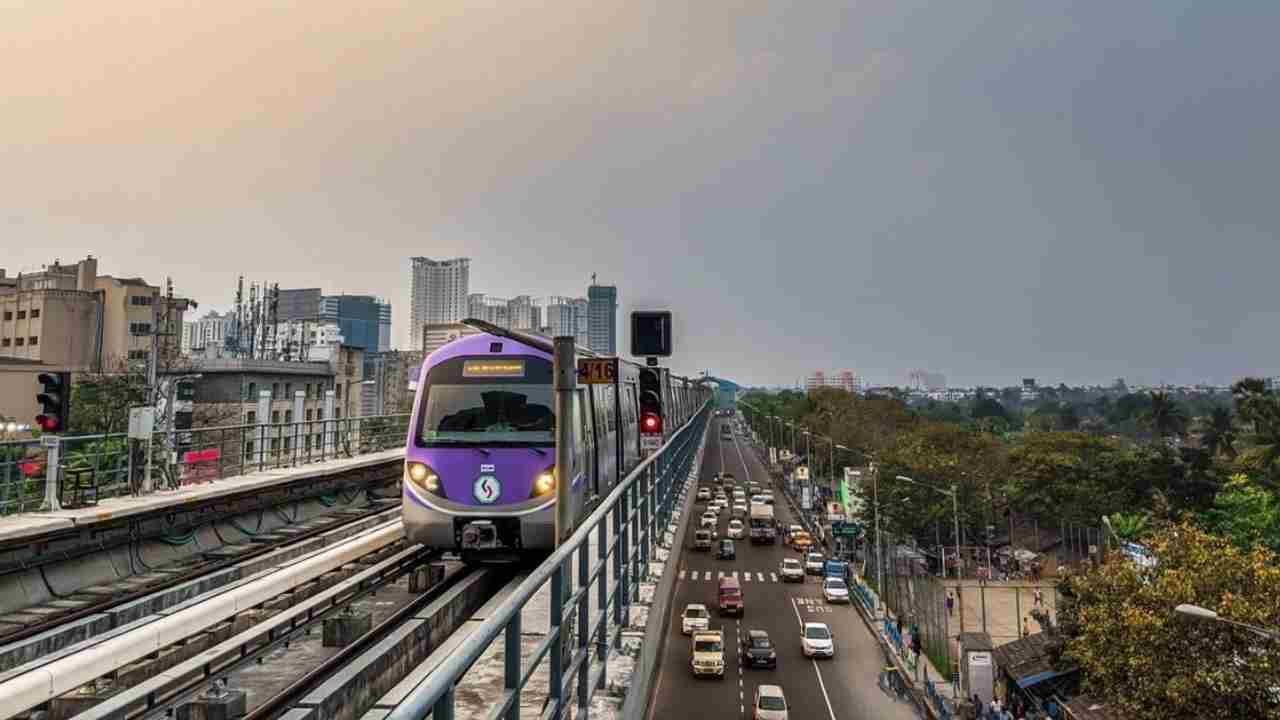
[(746, 576)]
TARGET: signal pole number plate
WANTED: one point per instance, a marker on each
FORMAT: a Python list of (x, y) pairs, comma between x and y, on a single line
[(650, 442), (598, 371)]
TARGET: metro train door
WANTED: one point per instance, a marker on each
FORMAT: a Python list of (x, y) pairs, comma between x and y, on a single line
[(593, 415), (587, 441), (632, 414)]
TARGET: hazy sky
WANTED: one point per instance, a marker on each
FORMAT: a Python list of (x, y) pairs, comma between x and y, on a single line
[(1070, 191)]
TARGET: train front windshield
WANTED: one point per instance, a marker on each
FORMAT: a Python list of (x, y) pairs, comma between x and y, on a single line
[(487, 414)]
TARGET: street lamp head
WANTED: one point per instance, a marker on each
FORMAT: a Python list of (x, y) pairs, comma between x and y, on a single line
[(1196, 612)]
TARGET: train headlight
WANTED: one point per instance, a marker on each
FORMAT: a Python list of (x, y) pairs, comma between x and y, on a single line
[(545, 483), (424, 477)]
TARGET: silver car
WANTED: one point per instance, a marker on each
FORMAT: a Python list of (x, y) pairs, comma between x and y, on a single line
[(770, 703)]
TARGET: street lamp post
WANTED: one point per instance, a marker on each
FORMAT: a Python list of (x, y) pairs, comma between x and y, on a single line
[(955, 509), (1207, 615)]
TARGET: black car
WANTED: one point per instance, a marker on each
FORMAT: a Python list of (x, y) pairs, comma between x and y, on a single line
[(758, 650), (726, 551)]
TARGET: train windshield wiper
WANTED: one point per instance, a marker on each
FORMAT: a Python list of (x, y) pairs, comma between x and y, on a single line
[(538, 450)]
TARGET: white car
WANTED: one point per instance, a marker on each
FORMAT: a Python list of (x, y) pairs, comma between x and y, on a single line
[(695, 617), (704, 495), (737, 530), (835, 590), (739, 496), (791, 570), (816, 641), (708, 521), (757, 499), (814, 562)]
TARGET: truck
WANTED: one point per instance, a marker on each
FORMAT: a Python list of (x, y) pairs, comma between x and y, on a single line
[(708, 653), (836, 569), (763, 531)]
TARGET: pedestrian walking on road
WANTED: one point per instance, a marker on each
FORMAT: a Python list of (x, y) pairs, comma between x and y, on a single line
[(951, 603), (1039, 597), (1026, 626)]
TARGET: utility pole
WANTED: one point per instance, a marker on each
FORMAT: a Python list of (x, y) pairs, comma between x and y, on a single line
[(153, 392), (565, 375)]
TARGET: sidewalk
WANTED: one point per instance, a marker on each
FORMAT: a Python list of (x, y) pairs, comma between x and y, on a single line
[(934, 688)]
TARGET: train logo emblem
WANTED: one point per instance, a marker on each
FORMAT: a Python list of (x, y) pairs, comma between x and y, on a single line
[(487, 489)]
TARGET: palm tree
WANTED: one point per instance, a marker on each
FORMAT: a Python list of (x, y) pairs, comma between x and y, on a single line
[(1218, 433), (1130, 527), (1259, 410), (1165, 417)]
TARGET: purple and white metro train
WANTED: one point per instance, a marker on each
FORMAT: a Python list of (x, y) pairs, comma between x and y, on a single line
[(479, 473)]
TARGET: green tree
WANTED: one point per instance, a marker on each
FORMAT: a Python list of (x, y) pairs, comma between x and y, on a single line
[(1246, 513), (988, 408), (1164, 416), (1152, 664), (1217, 432)]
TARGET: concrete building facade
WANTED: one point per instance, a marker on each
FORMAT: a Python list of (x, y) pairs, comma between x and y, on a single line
[(438, 293), (846, 380), (602, 319)]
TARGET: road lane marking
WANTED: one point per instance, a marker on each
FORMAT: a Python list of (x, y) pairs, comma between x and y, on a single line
[(795, 606), (682, 574), (719, 575), (735, 574), (773, 577)]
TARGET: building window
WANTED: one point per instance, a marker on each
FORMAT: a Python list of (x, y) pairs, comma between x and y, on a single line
[(35, 313), (18, 341), (275, 417), (309, 391), (337, 392), (275, 391), (6, 342), (139, 328), (138, 354), (8, 315), (253, 391), (309, 415), (248, 450), (22, 314), (319, 413), (337, 413), (33, 340), (141, 300), (288, 391), (251, 418), (288, 416)]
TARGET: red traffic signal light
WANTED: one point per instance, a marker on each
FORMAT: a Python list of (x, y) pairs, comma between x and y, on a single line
[(54, 400), (651, 422)]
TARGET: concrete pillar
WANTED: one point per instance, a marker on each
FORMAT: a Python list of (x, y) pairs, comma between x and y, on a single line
[(298, 430), (79, 701), (344, 628), (330, 427), (264, 420), (218, 703), (426, 577)]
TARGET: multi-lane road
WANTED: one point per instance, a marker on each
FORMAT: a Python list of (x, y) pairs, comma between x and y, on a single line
[(841, 688)]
